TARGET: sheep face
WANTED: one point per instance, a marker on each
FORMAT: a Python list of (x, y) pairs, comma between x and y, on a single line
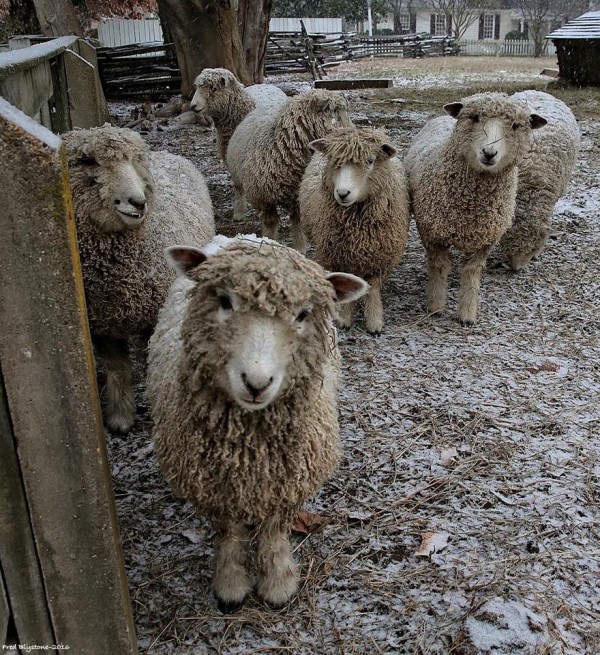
[(352, 156), (212, 91), (492, 135), (259, 318), (112, 167)]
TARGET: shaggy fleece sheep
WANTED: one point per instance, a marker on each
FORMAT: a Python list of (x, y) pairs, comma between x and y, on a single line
[(221, 96), (354, 208), (544, 175), (269, 151), (242, 379), (463, 184), (129, 205)]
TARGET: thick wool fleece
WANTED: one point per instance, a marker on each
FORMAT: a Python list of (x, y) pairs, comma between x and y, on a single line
[(543, 174), (125, 274), (269, 151), (230, 462), (228, 102), (368, 238), (454, 204)]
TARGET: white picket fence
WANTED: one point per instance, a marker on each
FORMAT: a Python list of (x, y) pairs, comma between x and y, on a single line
[(117, 31), (313, 25), (501, 48)]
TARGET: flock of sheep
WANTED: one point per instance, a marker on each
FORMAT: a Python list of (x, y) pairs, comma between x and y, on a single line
[(243, 360)]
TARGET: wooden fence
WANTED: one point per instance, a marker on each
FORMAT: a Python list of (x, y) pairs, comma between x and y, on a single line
[(521, 48), (116, 32), (62, 579)]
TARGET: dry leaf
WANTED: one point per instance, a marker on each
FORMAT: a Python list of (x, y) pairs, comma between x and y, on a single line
[(193, 535), (432, 542), (308, 522), (447, 455)]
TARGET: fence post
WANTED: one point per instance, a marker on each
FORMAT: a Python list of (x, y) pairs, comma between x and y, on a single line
[(49, 378)]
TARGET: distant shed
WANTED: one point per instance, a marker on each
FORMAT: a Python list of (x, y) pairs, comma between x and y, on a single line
[(578, 49)]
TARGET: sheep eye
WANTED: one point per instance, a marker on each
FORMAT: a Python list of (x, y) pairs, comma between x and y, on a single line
[(88, 161), (516, 126), (475, 118), (371, 161), (225, 302), (302, 316)]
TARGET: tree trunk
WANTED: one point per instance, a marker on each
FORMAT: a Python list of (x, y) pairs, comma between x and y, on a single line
[(253, 22), (57, 17), (206, 35)]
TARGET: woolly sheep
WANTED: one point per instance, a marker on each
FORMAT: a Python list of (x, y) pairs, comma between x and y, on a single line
[(129, 204), (544, 175), (242, 380), (221, 96), (269, 151), (355, 192), (463, 184)]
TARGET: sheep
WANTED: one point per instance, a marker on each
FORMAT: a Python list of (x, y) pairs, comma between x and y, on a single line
[(242, 379), (355, 192), (463, 185), (221, 96), (543, 178), (129, 204), (269, 151)]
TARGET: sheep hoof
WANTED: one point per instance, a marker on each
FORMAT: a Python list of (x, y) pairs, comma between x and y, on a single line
[(374, 331), (119, 423), (229, 606), (278, 592), (466, 322)]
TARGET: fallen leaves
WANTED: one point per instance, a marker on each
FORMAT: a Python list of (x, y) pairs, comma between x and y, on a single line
[(309, 522), (432, 542)]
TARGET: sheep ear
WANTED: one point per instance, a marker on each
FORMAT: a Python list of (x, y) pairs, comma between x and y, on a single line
[(536, 121), (223, 81), (317, 146), (347, 287), (184, 259), (388, 150), (453, 108)]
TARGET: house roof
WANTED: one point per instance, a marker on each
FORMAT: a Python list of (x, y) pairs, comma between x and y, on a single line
[(586, 26)]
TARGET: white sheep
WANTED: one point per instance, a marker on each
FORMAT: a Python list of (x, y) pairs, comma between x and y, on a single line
[(354, 208), (242, 380), (269, 151), (463, 184), (544, 174), (130, 204), (221, 96)]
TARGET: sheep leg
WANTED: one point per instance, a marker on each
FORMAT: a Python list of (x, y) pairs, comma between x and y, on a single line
[(239, 202), (345, 314), (231, 583), (438, 265), (270, 222), (278, 574), (298, 238), (374, 308), (519, 260), (114, 355), (470, 283)]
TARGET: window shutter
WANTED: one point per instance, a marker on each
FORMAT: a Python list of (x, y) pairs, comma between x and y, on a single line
[(480, 27), (526, 30), (413, 23), (432, 24), (497, 26)]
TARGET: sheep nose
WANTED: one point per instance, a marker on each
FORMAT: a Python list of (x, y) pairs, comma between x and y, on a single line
[(489, 153), (138, 204), (343, 193), (256, 387)]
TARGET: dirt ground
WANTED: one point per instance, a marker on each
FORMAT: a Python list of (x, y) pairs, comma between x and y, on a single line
[(486, 436)]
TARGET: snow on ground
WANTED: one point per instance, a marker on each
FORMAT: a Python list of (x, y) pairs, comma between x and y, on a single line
[(488, 434)]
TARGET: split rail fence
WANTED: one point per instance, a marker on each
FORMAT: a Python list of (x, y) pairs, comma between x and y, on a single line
[(62, 578)]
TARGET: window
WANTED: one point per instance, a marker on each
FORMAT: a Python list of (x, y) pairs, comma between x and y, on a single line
[(438, 24), (488, 26), (405, 23)]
